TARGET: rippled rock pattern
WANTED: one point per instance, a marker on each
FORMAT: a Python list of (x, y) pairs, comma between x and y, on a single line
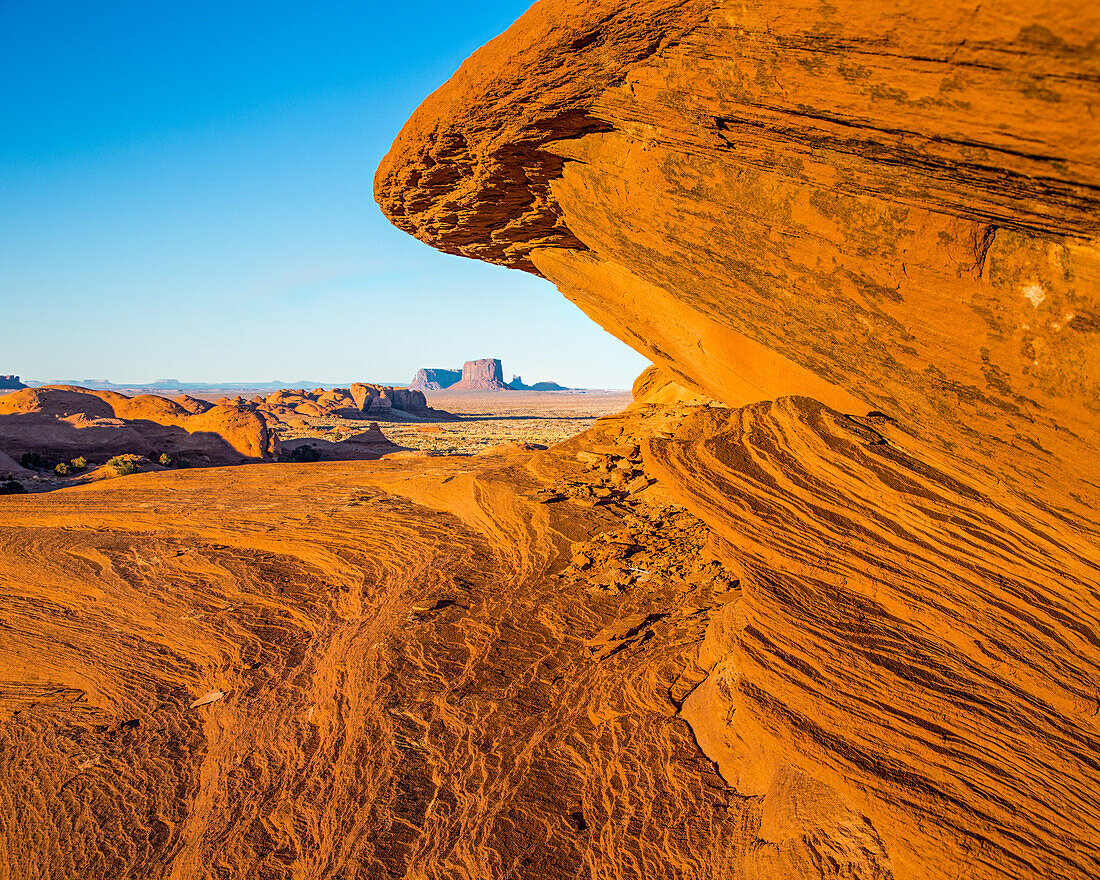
[(869, 233)]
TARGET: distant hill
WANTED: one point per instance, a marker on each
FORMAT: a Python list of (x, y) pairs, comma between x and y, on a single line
[(177, 385)]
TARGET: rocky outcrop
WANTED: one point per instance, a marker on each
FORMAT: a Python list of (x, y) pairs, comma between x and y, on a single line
[(11, 382), (869, 232), (382, 399), (433, 379), (485, 374), (517, 385), (60, 422)]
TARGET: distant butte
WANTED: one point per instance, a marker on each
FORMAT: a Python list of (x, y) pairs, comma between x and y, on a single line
[(486, 374)]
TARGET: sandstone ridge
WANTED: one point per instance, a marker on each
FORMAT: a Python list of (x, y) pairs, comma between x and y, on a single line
[(869, 233)]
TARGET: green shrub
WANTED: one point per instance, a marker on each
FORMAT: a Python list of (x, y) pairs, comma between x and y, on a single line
[(10, 487), (33, 461), (78, 464), (304, 453), (62, 470), (182, 463), (165, 459), (123, 465)]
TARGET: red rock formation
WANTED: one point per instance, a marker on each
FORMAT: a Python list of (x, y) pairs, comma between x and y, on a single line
[(890, 211), (381, 399), (431, 379), (481, 375), (66, 421)]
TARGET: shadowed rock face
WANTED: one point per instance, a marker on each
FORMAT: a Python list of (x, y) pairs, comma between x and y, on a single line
[(882, 217), (429, 379), (67, 420)]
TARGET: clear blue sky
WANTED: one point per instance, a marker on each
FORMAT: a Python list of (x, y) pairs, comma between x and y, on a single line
[(185, 192)]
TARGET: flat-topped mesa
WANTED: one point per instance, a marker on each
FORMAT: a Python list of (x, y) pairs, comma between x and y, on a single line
[(434, 379), (11, 383), (891, 209), (485, 374)]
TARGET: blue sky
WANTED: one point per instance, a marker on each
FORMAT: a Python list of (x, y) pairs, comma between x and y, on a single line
[(185, 192)]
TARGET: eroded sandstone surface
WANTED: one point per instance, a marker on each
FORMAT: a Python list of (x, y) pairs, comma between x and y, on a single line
[(869, 233)]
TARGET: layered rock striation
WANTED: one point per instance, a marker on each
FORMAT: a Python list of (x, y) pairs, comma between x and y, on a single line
[(869, 233)]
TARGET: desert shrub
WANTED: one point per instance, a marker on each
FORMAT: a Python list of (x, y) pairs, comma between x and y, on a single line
[(33, 460), (165, 459), (182, 463), (78, 464), (10, 487), (62, 470), (304, 453), (124, 465)]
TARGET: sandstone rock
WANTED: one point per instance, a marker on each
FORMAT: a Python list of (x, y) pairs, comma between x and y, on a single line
[(481, 375), (363, 394), (56, 401), (11, 382), (432, 379), (65, 421), (890, 209), (310, 409), (192, 405)]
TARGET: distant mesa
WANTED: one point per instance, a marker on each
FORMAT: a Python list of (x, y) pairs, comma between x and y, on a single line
[(485, 374), (427, 379), (517, 385), (11, 383)]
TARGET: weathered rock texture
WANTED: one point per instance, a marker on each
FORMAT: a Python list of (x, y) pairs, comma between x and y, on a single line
[(869, 230), (433, 379), (382, 399), (485, 374), (62, 421)]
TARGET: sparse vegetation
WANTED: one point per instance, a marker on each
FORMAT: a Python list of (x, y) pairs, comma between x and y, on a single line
[(33, 461), (123, 465), (182, 463), (11, 487), (304, 453), (165, 459), (62, 470), (79, 464)]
